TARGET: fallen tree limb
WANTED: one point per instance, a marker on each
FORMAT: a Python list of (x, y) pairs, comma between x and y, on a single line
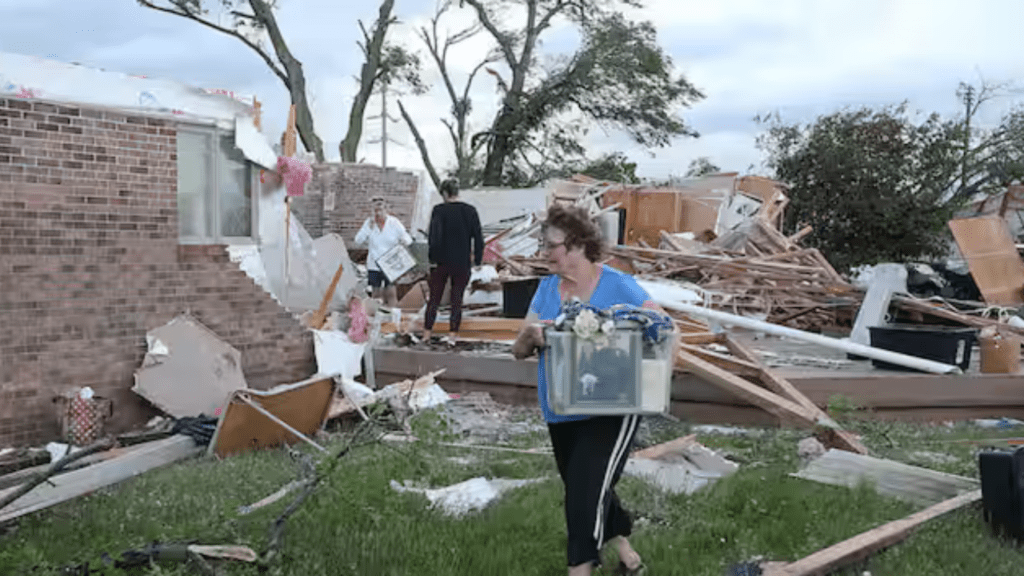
[(102, 445)]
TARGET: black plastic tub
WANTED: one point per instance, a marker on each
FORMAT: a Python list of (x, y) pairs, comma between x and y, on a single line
[(516, 296), (949, 345)]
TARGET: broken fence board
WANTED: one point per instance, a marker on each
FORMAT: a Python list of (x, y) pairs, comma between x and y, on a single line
[(895, 479), (834, 557), (85, 480)]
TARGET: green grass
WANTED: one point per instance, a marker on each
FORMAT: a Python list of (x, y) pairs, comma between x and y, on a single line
[(355, 523)]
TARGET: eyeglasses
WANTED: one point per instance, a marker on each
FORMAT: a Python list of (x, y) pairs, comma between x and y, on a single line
[(545, 245)]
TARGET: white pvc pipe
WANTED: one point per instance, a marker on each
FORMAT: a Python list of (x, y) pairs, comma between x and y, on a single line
[(775, 329)]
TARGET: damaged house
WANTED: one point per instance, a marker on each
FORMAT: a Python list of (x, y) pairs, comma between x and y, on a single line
[(127, 201)]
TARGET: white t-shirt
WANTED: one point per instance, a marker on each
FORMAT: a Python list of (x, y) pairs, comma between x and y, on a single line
[(380, 240)]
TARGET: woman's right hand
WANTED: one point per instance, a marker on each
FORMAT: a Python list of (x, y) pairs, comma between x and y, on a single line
[(531, 337)]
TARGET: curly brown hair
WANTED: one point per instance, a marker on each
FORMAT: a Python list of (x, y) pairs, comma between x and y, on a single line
[(579, 229)]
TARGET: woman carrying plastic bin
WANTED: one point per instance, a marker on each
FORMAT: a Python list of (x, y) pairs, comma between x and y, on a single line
[(590, 451)]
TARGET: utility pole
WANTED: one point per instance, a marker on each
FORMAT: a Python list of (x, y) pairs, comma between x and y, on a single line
[(968, 98), (384, 119)]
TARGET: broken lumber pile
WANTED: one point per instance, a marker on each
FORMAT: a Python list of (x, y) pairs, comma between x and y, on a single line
[(754, 269)]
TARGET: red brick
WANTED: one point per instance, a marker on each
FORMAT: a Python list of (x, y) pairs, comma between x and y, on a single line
[(90, 265)]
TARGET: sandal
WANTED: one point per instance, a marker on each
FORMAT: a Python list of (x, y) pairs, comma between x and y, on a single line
[(624, 570)]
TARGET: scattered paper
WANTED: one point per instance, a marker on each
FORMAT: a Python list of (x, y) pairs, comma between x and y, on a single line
[(464, 497)]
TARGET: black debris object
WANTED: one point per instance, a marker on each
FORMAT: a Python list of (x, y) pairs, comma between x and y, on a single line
[(199, 428)]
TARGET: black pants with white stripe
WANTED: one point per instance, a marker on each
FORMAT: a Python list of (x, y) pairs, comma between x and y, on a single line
[(591, 455)]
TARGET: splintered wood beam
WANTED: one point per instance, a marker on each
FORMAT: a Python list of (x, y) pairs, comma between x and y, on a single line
[(665, 448), (702, 338), (831, 435), (862, 545), (803, 233), (786, 410), (733, 365), (773, 382)]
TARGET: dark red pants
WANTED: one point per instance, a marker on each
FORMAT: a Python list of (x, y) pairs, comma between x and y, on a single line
[(439, 276)]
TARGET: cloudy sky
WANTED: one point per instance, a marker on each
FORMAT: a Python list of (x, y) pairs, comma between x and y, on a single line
[(801, 58)]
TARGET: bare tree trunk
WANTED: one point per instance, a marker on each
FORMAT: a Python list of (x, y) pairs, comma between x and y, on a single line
[(367, 80), (296, 82), (422, 146)]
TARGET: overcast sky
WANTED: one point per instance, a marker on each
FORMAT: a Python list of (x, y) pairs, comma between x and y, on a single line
[(801, 58)]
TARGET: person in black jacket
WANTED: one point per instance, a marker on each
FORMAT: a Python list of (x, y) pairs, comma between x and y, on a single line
[(454, 228)]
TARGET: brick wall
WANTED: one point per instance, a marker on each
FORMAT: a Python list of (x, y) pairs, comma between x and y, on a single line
[(352, 186), (89, 262)]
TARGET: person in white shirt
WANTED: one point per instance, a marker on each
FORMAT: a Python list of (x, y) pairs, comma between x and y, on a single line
[(381, 232)]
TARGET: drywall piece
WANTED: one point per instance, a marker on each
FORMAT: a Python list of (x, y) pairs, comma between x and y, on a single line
[(336, 355), (895, 479), (329, 251), (77, 483), (188, 370), (886, 280), (735, 210), (464, 497), (830, 559), (303, 406), (992, 257), (680, 466), (672, 477)]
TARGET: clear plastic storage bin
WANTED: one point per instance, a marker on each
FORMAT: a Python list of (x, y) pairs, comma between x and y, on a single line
[(623, 375)]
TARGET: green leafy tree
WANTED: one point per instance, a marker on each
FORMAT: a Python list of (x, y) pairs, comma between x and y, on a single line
[(618, 78), (701, 167), (614, 167), (874, 184)]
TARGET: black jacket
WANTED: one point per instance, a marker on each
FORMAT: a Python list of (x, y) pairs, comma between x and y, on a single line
[(453, 226)]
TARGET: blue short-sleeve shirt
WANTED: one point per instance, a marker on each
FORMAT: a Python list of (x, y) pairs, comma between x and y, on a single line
[(614, 287)]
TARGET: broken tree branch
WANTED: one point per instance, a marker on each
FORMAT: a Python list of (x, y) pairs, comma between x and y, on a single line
[(266, 57), (102, 445), (422, 145)]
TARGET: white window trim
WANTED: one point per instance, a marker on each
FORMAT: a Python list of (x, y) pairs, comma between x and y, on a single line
[(253, 239)]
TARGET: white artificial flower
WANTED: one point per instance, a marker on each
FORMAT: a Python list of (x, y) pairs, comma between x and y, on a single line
[(608, 326)]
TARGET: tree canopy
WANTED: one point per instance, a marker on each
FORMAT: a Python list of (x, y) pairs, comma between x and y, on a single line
[(618, 78), (874, 183)]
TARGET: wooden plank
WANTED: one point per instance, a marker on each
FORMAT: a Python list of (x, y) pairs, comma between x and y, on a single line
[(734, 365), (835, 437), (772, 381), (803, 233), (659, 450), (702, 338), (79, 482), (848, 551), (777, 405), (992, 258), (16, 478)]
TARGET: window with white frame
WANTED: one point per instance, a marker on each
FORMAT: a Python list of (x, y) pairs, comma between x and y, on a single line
[(216, 186)]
